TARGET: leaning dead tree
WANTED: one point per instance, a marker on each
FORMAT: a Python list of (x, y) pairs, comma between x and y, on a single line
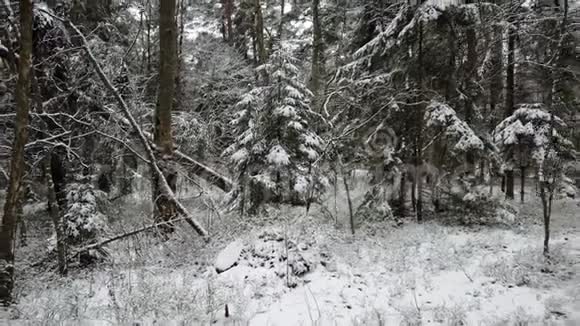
[(153, 163)]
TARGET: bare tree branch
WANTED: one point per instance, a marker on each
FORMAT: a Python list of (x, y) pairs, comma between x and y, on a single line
[(123, 236), (148, 149)]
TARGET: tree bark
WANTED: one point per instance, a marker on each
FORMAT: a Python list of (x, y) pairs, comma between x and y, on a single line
[(57, 219), (403, 193), (522, 183), (58, 176), (165, 209), (350, 212), (510, 87), (259, 33), (546, 211), (469, 82), (317, 51), (182, 10), (496, 82), (149, 15), (347, 190), (281, 26), (414, 188), (17, 164), (419, 140), (228, 12)]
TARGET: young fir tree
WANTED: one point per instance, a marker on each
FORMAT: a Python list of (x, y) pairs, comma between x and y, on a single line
[(524, 136), (534, 133), (277, 142)]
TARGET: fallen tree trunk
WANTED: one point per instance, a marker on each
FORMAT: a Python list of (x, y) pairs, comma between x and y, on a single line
[(102, 243), (164, 186), (205, 172), (122, 236)]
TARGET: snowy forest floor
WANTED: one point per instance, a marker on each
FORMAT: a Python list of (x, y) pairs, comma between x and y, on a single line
[(414, 274)]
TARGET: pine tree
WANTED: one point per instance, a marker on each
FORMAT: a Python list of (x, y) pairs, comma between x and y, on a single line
[(277, 142)]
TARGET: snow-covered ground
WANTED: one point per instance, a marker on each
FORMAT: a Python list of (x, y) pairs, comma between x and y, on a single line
[(292, 269)]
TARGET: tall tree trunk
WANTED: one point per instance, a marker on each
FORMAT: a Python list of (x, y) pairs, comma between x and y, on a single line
[(58, 175), (522, 182), (403, 193), (471, 65), (317, 53), (228, 12), (259, 32), (165, 209), (182, 9), (281, 26), (149, 15), (17, 163), (419, 140), (349, 200), (129, 167), (496, 82), (546, 213), (57, 219), (21, 222), (510, 87)]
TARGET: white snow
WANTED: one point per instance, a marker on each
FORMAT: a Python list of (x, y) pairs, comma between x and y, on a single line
[(278, 156), (135, 12), (301, 184), (442, 115), (198, 26), (229, 256), (247, 99), (310, 153), (240, 156), (285, 111), (311, 139), (295, 125), (422, 274)]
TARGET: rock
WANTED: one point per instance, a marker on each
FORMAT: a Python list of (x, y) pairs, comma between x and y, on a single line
[(229, 256)]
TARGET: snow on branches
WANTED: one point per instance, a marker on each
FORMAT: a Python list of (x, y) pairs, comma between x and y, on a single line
[(530, 130), (84, 220), (275, 142), (441, 115)]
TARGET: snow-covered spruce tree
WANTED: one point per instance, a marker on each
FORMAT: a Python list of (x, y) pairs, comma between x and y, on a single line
[(276, 141), (414, 59), (533, 132), (468, 199), (85, 221), (523, 138)]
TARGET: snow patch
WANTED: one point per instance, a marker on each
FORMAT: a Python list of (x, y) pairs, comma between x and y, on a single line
[(229, 256), (278, 156)]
